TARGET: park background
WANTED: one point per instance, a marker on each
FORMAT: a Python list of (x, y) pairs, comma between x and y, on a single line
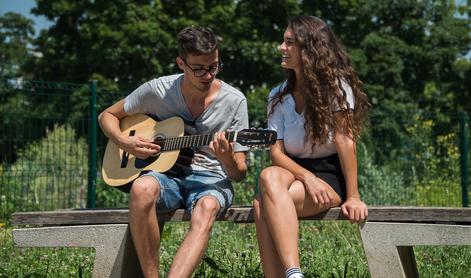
[(413, 57)]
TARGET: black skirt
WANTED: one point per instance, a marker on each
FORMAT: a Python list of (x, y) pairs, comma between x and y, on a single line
[(328, 169)]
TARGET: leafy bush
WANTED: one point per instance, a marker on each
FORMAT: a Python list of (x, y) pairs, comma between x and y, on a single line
[(109, 197), (257, 106), (48, 174), (378, 184), (435, 169), (245, 190)]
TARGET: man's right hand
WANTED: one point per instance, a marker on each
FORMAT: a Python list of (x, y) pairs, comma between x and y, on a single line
[(140, 147)]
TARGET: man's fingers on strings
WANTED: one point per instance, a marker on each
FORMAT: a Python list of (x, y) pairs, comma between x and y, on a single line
[(222, 136)]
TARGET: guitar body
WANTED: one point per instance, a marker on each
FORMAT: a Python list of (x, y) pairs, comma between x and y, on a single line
[(119, 169)]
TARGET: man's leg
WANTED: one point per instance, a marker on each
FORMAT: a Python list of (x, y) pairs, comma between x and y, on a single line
[(144, 224), (196, 240)]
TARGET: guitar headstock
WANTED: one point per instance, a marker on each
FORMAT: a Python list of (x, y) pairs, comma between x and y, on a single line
[(256, 137)]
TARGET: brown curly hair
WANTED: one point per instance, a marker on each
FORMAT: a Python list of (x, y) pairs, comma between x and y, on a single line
[(324, 66)]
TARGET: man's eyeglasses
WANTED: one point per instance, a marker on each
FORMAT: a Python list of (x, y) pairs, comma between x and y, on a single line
[(200, 72)]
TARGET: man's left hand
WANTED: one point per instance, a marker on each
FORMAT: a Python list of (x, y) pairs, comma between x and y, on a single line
[(221, 147)]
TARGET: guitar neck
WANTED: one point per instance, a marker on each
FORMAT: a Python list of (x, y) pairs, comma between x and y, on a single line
[(175, 143)]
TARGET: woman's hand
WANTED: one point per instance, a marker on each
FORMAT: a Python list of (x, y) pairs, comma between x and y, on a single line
[(318, 190), (355, 210)]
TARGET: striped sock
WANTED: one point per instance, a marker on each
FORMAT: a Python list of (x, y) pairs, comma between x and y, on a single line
[(294, 272)]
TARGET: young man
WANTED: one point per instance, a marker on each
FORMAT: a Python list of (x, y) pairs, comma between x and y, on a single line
[(206, 105)]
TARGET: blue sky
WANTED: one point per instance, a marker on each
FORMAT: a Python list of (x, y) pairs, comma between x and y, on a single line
[(24, 7)]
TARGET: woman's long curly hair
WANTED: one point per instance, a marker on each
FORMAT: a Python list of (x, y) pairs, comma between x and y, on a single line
[(324, 66)]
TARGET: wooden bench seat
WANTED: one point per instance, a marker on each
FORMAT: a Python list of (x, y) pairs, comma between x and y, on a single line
[(388, 235)]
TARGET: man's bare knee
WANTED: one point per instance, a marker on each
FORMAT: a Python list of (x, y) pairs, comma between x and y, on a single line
[(204, 213), (209, 205), (144, 192)]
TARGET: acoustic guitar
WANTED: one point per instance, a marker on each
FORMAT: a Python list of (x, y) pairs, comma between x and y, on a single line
[(120, 167)]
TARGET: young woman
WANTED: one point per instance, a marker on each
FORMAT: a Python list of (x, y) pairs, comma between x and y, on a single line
[(317, 114)]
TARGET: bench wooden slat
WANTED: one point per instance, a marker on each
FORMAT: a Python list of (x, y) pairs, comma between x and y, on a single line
[(240, 214)]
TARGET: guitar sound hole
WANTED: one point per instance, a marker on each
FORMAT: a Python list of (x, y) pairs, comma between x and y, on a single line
[(142, 163)]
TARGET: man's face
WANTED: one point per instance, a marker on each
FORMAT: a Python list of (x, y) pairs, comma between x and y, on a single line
[(194, 65)]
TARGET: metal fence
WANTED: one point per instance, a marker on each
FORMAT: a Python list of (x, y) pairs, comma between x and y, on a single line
[(51, 149)]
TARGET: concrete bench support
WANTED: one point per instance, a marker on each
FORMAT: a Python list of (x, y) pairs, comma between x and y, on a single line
[(388, 236), (389, 246), (114, 251)]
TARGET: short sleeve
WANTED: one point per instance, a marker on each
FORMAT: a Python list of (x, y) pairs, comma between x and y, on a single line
[(349, 96), (140, 100), (275, 117)]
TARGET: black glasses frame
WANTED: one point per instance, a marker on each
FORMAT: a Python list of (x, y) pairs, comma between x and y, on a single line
[(202, 72)]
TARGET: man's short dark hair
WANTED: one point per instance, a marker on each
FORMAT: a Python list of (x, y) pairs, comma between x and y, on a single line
[(196, 41)]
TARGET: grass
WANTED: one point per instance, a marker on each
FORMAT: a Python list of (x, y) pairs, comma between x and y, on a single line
[(328, 249)]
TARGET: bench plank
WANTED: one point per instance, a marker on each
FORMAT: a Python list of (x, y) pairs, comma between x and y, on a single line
[(241, 214)]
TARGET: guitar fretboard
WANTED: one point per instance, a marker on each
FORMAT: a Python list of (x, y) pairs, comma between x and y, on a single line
[(175, 143)]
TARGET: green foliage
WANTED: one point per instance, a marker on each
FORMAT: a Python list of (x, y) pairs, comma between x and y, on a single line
[(409, 54), (428, 257), (48, 174), (15, 34), (435, 171), (257, 106), (248, 188), (110, 197), (380, 185), (422, 170)]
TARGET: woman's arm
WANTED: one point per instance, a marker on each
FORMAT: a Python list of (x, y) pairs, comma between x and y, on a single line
[(353, 207), (317, 189)]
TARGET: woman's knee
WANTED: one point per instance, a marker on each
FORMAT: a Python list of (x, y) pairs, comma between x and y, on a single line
[(274, 179)]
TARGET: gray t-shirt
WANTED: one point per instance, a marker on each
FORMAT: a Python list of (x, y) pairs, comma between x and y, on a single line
[(162, 98)]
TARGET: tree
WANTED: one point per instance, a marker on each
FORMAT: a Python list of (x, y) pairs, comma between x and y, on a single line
[(409, 53), (15, 35)]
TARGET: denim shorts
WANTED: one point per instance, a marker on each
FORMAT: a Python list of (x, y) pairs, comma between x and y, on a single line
[(184, 192)]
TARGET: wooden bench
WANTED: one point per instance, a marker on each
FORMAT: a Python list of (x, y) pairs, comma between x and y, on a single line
[(388, 236)]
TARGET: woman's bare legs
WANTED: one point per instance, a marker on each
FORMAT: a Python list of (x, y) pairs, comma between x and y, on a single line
[(282, 200)]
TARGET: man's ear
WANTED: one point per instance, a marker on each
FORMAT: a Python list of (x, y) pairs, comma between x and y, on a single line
[(180, 63)]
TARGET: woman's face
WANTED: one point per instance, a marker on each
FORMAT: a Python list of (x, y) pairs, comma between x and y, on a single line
[(290, 51)]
